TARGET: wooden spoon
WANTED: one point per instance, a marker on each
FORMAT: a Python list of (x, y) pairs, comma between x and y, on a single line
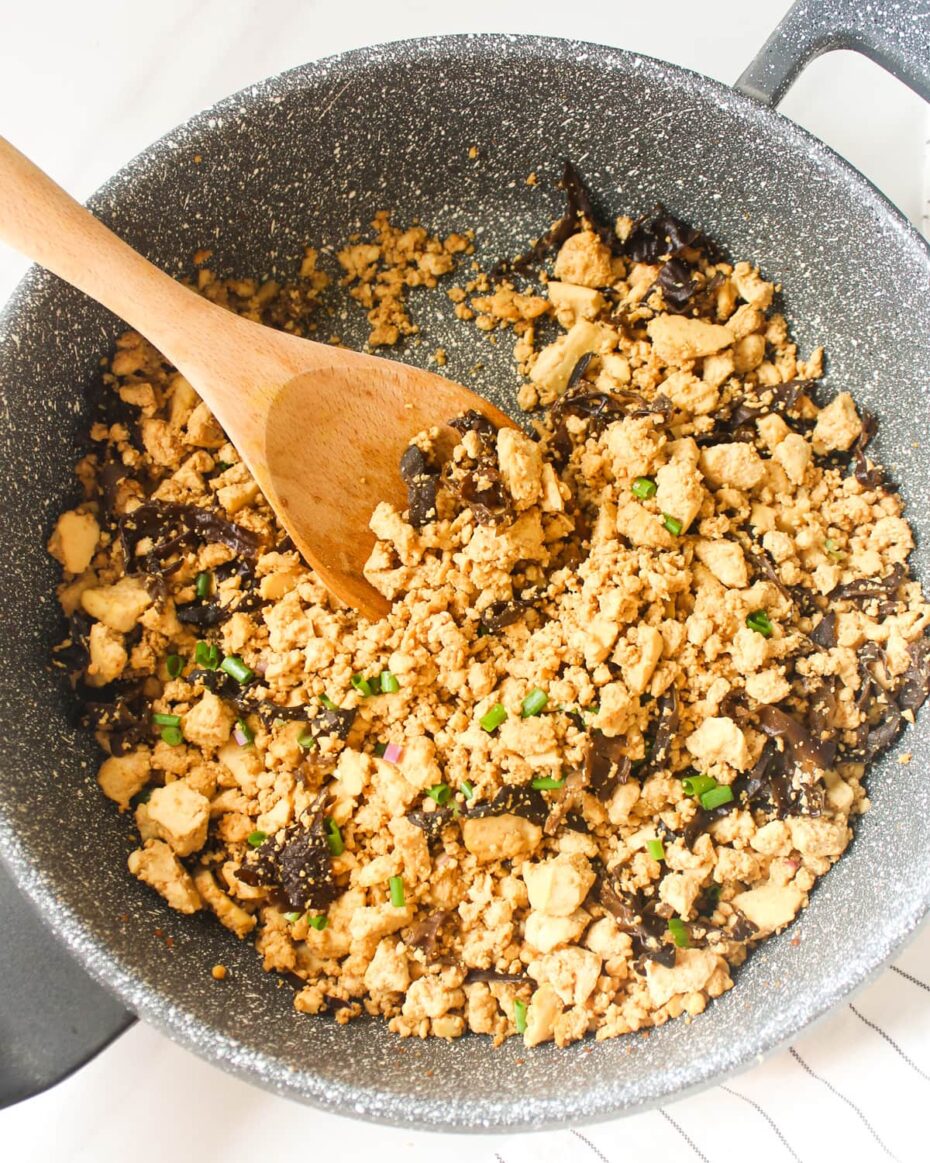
[(321, 429)]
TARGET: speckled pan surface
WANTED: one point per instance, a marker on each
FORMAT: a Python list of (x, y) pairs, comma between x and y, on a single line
[(311, 156)]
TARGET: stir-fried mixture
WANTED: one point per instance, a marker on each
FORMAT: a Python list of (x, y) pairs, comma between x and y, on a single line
[(616, 723)]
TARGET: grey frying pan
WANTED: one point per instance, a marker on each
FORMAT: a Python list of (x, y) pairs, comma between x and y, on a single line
[(311, 155)]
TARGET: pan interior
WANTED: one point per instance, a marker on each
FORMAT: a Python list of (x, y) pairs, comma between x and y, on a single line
[(309, 158)]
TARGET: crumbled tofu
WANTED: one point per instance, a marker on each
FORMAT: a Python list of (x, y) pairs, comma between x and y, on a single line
[(556, 362), (123, 776), (692, 971), (108, 656), (118, 606), (74, 540), (227, 912), (180, 816), (158, 867), (770, 907), (719, 740), (585, 260), (725, 560), (558, 886), (838, 425), (737, 465), (503, 837), (521, 466), (679, 340), (680, 493), (209, 723)]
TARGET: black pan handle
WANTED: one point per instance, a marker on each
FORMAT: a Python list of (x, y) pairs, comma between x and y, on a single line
[(53, 1017), (893, 33)]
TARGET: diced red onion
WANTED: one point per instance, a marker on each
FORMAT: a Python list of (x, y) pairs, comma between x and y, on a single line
[(239, 736), (393, 753)]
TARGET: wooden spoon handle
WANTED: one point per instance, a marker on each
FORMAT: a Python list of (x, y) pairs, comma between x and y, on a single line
[(43, 222)]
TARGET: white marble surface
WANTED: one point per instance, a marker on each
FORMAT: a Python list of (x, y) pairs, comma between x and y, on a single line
[(83, 87)]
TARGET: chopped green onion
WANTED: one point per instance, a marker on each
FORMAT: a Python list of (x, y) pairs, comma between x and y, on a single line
[(167, 720), (362, 685), (318, 922), (672, 524), (534, 703), (594, 709), (679, 932), (292, 917), (203, 585), (441, 793), (656, 849), (237, 669), (207, 655), (380, 749), (306, 740), (389, 684), (398, 896), (334, 838), (493, 718), (174, 664), (519, 1015), (644, 487), (716, 796), (696, 785), (257, 838), (328, 703), (760, 622), (243, 733), (833, 549), (467, 789), (172, 736), (546, 783)]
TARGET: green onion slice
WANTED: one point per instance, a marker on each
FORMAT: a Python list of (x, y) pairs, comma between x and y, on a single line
[(716, 797), (244, 733), (172, 736), (203, 585), (760, 622), (362, 685), (534, 703), (519, 1015), (207, 655), (389, 684), (696, 785), (672, 524), (440, 792), (319, 922), (679, 932), (334, 838), (328, 703), (644, 487), (237, 669), (292, 917), (467, 788), (257, 838), (656, 849), (306, 740), (493, 718), (174, 664), (167, 720), (398, 896), (546, 783)]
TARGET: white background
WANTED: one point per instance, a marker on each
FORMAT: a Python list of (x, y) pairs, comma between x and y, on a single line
[(85, 85)]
